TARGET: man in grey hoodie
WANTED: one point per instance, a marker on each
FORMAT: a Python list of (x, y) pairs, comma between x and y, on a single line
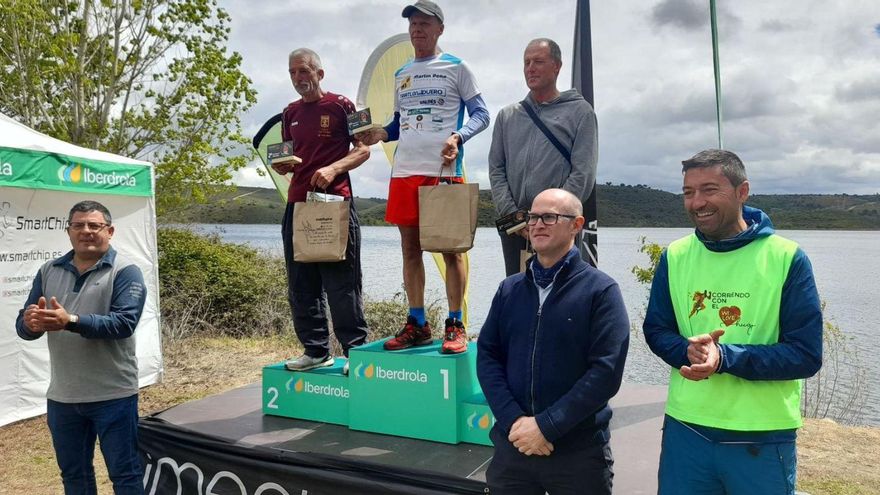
[(523, 161)]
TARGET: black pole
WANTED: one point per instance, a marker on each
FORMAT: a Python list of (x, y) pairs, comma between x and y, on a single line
[(582, 80)]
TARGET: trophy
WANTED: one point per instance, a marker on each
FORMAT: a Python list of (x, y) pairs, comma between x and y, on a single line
[(512, 222), (282, 153), (361, 121)]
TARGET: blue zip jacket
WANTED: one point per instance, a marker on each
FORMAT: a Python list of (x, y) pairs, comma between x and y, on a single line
[(798, 354), (560, 362)]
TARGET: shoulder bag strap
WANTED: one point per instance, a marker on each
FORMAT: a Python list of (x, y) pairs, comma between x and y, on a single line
[(547, 133)]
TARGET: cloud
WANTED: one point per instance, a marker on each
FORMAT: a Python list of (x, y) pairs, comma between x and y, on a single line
[(797, 79), (692, 15), (776, 26), (249, 176), (859, 91), (685, 14)]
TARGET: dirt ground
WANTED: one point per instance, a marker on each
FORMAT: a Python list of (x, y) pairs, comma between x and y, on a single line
[(838, 460), (194, 368), (832, 459)]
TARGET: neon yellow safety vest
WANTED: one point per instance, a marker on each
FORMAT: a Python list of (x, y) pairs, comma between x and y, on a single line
[(740, 292)]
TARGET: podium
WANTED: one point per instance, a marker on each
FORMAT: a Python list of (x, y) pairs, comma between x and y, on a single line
[(415, 393)]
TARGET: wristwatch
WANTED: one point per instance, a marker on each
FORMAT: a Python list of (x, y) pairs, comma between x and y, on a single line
[(71, 323)]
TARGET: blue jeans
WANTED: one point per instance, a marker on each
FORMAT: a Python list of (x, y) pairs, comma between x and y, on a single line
[(692, 464), (75, 426)]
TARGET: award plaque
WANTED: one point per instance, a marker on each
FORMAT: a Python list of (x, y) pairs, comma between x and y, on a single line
[(512, 222), (361, 121), (282, 153)]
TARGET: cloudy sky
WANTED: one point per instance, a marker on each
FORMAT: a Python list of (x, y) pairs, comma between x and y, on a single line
[(800, 80)]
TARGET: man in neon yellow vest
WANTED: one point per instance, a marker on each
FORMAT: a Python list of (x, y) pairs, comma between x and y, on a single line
[(734, 310)]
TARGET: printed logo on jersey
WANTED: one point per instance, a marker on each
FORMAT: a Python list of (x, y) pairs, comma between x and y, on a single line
[(729, 315), (699, 304), (728, 305), (423, 93)]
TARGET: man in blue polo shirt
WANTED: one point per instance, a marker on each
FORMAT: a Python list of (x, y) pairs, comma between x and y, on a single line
[(88, 303)]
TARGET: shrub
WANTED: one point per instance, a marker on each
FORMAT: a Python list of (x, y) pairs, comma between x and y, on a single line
[(838, 390), (210, 285)]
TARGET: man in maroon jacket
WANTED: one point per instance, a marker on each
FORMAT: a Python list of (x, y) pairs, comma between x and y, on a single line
[(317, 123)]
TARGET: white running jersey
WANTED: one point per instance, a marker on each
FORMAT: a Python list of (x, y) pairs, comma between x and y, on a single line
[(430, 95)]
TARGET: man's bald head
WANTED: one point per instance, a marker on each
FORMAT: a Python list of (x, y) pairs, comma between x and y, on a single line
[(555, 219), (567, 202)]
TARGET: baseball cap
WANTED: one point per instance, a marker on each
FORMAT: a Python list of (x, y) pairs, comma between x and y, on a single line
[(424, 6)]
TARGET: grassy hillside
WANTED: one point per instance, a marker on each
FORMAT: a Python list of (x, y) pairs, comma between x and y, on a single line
[(619, 206)]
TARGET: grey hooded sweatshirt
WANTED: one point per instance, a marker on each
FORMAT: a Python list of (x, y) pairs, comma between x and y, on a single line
[(523, 162)]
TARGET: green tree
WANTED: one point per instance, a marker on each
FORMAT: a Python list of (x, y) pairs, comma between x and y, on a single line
[(646, 274), (149, 79)]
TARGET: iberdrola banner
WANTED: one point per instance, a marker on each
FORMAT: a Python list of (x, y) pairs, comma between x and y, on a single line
[(40, 170)]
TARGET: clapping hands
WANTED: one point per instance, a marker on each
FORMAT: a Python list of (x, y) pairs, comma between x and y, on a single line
[(704, 356), (46, 317)]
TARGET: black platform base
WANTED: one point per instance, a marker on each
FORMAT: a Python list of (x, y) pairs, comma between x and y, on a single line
[(224, 444)]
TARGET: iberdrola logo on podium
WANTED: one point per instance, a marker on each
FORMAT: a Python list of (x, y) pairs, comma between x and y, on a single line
[(483, 422), (362, 371), (371, 371), (302, 385), (290, 386)]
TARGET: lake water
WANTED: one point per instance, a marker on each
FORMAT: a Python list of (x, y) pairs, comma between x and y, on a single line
[(845, 264)]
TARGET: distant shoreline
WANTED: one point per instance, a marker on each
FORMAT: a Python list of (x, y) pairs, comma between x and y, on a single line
[(619, 206)]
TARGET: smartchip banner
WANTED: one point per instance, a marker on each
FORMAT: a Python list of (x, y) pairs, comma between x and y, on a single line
[(41, 178)]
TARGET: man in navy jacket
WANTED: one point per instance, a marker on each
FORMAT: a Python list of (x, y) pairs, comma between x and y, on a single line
[(551, 355)]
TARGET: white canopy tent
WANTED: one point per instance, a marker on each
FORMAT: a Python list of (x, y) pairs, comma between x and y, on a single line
[(40, 179)]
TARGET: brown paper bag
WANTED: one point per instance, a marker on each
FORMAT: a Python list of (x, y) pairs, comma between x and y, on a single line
[(320, 231), (448, 217)]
